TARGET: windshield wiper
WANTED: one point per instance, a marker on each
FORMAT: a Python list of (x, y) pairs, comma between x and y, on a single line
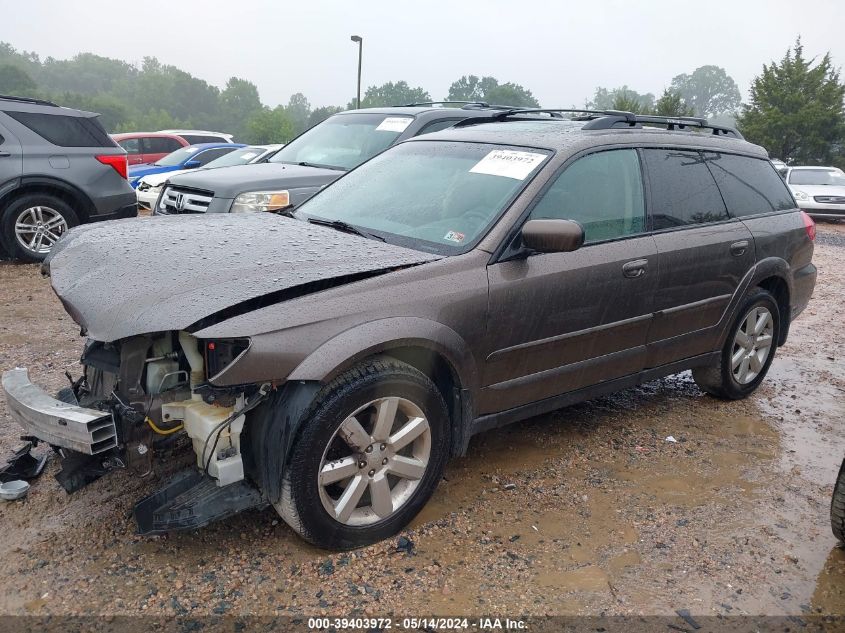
[(340, 225), (304, 163)]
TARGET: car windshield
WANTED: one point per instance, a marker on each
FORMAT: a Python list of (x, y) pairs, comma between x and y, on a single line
[(238, 157), (178, 157), (344, 141), (817, 177), (434, 196)]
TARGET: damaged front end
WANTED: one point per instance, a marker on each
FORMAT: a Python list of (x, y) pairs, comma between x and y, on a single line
[(140, 396)]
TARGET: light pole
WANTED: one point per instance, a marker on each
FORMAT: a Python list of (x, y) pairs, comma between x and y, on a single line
[(360, 40)]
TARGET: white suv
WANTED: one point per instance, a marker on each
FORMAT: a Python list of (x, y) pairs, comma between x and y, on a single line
[(200, 136), (820, 191)]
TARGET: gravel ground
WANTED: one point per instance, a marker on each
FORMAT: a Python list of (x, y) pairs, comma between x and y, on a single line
[(586, 511)]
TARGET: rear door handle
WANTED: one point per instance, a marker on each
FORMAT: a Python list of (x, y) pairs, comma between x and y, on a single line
[(738, 248), (635, 268), (4, 154)]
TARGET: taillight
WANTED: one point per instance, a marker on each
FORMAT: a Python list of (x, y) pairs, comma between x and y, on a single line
[(810, 225), (117, 162)]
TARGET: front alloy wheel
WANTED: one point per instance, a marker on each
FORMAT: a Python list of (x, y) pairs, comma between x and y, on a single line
[(375, 461), (367, 457)]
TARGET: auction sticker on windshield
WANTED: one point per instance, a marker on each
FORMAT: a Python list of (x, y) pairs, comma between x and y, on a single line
[(508, 163), (394, 124)]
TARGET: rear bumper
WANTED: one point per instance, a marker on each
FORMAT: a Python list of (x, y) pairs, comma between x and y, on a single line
[(803, 283), (128, 211), (55, 422)]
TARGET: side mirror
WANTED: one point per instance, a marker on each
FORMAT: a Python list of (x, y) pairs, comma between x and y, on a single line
[(553, 236), (192, 164)]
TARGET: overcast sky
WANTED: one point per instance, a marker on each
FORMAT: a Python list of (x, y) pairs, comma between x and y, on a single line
[(559, 50)]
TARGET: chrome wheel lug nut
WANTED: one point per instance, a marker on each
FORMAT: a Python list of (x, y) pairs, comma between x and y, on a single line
[(362, 464), (384, 462), (383, 446), (369, 449), (372, 472)]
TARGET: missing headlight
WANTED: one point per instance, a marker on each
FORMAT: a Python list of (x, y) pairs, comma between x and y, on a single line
[(219, 354)]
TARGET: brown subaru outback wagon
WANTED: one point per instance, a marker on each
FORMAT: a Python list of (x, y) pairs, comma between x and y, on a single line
[(328, 360)]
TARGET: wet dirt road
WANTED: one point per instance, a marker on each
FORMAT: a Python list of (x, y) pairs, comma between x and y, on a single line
[(585, 511)]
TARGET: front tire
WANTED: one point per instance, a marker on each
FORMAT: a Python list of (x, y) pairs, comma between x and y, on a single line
[(33, 223), (367, 458), (748, 351), (837, 506)]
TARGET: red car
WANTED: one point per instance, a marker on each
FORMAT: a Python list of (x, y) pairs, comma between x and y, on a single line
[(148, 147)]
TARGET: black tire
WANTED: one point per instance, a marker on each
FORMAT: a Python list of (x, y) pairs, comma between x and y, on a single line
[(718, 379), (13, 210), (837, 506), (300, 504)]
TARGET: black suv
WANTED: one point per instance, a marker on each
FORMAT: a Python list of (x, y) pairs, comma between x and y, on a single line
[(58, 168), (312, 160)]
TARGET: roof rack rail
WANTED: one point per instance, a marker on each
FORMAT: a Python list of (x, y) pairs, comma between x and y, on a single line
[(465, 105), (609, 119), (28, 100)]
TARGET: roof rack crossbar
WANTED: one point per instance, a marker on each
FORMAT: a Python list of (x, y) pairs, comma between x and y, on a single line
[(28, 100), (466, 105)]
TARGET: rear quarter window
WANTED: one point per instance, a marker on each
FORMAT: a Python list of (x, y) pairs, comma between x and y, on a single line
[(195, 139), (749, 186), (64, 130)]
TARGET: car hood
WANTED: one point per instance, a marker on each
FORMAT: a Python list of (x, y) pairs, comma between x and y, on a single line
[(154, 180), (138, 276), (229, 182), (819, 190)]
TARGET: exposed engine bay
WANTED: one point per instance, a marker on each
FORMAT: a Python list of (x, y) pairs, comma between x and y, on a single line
[(154, 387)]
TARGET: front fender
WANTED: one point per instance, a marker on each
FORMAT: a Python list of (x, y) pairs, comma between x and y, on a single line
[(347, 348)]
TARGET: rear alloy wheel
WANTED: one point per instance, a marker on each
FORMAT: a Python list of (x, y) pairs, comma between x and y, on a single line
[(368, 457), (34, 223), (748, 351)]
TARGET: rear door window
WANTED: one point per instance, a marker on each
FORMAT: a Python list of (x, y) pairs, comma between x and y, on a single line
[(209, 155), (194, 139), (64, 130), (683, 191), (602, 191), (160, 145), (749, 185), (131, 145)]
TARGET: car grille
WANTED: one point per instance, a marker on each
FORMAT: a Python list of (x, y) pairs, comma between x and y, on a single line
[(177, 200), (830, 199)]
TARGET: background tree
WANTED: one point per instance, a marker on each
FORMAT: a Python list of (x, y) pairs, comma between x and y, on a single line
[(796, 109), (318, 115), (269, 126), (489, 90), (239, 101), (15, 81), (298, 111), (609, 99), (671, 103), (708, 90), (389, 94)]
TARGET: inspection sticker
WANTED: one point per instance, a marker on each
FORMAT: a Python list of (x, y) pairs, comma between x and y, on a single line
[(249, 155), (508, 163), (394, 124), (454, 236)]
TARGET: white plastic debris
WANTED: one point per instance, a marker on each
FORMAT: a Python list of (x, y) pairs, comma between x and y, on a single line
[(12, 490), (671, 439)]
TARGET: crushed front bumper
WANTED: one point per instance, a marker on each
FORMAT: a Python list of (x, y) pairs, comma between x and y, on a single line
[(55, 422)]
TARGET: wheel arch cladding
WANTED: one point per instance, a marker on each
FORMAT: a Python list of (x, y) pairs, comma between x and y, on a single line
[(75, 198), (779, 289)]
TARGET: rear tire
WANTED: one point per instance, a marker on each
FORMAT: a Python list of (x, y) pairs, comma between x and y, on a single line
[(837, 506), (746, 356), (31, 224), (347, 486)]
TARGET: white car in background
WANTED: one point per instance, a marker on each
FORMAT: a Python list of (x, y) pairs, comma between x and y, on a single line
[(149, 187), (820, 191)]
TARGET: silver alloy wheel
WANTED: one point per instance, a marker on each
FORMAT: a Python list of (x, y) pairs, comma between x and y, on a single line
[(752, 345), (37, 229), (374, 461)]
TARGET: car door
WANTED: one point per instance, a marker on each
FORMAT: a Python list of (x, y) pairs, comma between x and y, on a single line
[(157, 147), (11, 159), (559, 322), (134, 151), (703, 254)]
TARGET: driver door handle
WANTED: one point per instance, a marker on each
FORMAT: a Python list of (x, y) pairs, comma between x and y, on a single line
[(738, 248), (635, 268), (4, 154)]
